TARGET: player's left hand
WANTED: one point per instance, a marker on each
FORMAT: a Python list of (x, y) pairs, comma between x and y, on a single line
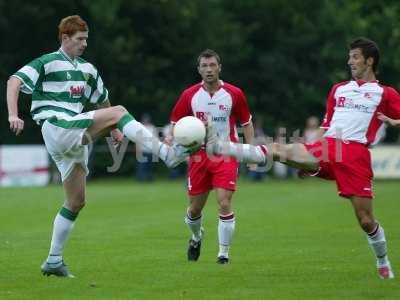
[(117, 136)]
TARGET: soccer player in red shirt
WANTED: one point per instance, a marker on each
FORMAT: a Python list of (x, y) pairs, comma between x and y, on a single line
[(355, 115), (226, 105)]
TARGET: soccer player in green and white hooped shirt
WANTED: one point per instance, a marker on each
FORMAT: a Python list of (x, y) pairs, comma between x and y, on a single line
[(61, 83)]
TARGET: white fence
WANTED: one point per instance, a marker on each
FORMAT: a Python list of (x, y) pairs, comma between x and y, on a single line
[(24, 165)]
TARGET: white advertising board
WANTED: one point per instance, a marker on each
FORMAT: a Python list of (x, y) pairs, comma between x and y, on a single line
[(386, 161), (24, 165)]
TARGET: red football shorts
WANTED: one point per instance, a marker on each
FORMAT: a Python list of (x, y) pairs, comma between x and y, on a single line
[(206, 173), (349, 163)]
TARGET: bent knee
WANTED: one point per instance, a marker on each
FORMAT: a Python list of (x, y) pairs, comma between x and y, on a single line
[(225, 207), (116, 113), (119, 111), (194, 212), (367, 223)]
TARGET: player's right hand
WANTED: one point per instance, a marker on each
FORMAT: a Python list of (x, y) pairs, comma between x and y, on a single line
[(16, 124), (117, 136)]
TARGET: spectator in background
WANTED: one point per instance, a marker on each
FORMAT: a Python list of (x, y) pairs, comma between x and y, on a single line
[(312, 132), (279, 169)]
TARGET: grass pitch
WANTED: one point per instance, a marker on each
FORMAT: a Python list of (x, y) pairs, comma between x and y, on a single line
[(293, 240)]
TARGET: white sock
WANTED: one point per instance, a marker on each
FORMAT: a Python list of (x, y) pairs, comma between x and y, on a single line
[(139, 134), (226, 227), (62, 227), (377, 241), (243, 152), (194, 225)]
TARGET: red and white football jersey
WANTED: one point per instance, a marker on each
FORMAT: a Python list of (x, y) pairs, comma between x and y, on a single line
[(352, 107), (227, 106)]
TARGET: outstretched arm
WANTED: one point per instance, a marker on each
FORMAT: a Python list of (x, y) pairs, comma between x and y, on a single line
[(13, 87), (389, 121)]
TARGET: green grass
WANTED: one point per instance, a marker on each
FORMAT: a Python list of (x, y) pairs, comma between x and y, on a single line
[(293, 240)]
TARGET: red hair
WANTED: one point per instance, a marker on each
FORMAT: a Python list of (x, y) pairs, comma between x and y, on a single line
[(71, 25)]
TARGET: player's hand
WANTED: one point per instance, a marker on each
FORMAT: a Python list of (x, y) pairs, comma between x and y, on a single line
[(388, 120), (117, 136), (16, 124)]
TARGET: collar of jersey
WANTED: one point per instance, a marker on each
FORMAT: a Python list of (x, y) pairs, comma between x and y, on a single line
[(361, 82), (65, 55), (221, 84)]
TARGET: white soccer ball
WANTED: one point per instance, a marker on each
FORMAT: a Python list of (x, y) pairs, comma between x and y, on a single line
[(189, 131)]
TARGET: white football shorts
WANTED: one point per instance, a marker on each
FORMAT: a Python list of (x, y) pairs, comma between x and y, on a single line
[(63, 139)]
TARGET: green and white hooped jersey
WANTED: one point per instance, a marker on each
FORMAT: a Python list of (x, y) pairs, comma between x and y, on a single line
[(60, 86)]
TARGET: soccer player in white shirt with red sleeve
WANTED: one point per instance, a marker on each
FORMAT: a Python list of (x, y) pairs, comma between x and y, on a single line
[(355, 115), (226, 105)]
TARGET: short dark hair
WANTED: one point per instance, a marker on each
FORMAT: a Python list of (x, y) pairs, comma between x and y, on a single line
[(368, 49), (207, 54)]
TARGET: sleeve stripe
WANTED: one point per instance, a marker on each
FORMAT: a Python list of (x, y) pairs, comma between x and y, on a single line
[(100, 93), (31, 73), (248, 122), (25, 79), (103, 97), (95, 96), (25, 88), (100, 85), (36, 64)]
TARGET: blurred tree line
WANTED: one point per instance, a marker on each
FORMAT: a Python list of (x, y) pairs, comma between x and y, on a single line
[(285, 54)]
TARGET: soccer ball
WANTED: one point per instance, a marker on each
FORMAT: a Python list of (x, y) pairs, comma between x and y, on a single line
[(189, 131)]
